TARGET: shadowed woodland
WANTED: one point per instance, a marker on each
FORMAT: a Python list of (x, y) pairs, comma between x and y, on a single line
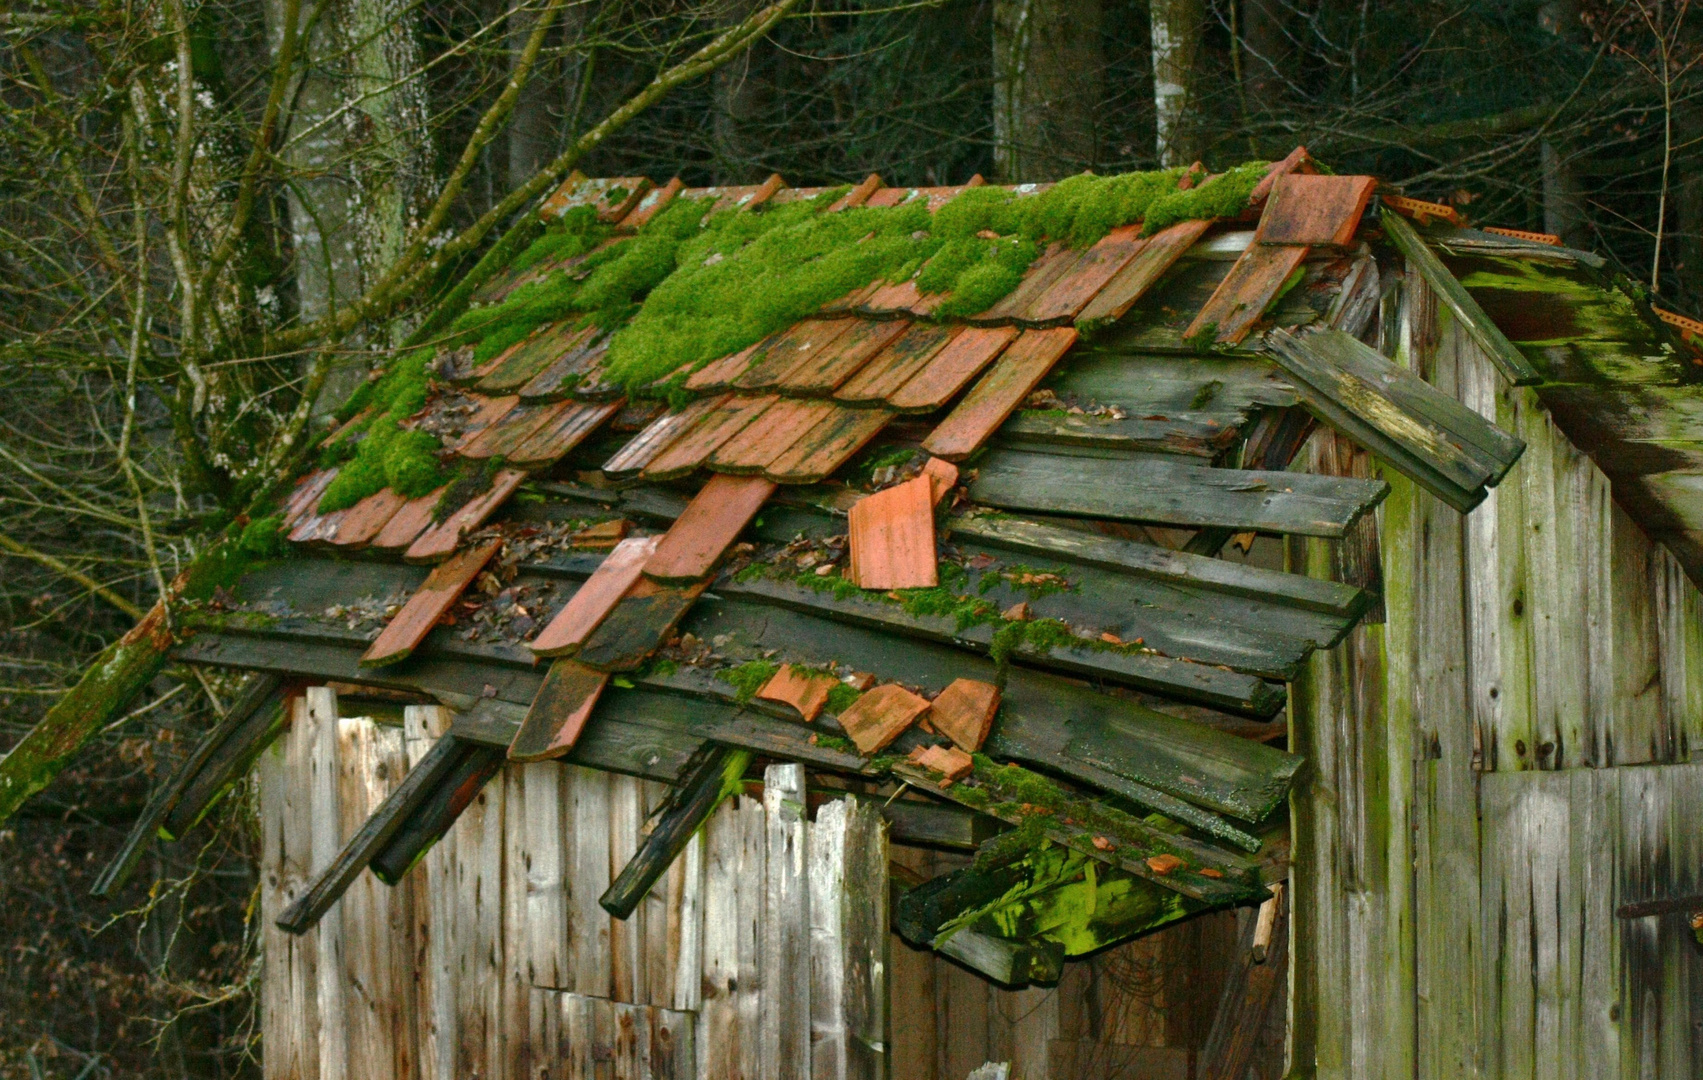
[(217, 218)]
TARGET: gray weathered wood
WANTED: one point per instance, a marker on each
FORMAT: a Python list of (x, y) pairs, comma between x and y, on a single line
[(702, 786), (1168, 490), (786, 1003), (1033, 428)]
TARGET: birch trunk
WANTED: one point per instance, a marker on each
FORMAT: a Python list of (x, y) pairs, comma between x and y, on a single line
[(1176, 26)]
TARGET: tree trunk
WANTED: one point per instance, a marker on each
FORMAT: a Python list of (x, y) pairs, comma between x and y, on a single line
[(532, 133), (1176, 45), (1048, 79), (1563, 197), (740, 99)]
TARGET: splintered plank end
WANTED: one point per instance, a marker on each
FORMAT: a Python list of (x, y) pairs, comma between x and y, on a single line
[(964, 712), (803, 689)]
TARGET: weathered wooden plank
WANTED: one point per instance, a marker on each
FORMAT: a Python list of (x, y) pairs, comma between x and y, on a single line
[(863, 961), (590, 966), (1197, 438), (826, 887), (708, 779), (290, 1016), (459, 787), (786, 1007), (1477, 325), (998, 393), (752, 1054), (1251, 991), (324, 825), (627, 812), (1162, 489), (718, 1043)]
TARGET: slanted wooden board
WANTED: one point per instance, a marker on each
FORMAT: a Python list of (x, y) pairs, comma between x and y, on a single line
[(712, 775), (1033, 428), (1246, 291), (1428, 435), (643, 448), (1162, 489), (713, 520), (441, 540), (1022, 367), (442, 588), (432, 816), (640, 623), (1157, 255), (596, 597), (1478, 326), (1307, 209), (697, 443), (897, 363), (951, 369), (891, 538), (559, 712)]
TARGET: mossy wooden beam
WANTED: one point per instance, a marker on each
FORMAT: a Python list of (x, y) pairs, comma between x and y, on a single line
[(713, 775), (447, 792), (259, 697), (1514, 366)]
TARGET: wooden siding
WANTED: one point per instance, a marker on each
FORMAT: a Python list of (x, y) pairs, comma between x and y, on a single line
[(1496, 766), (493, 958)]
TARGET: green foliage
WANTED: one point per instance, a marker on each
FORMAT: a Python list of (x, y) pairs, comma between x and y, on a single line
[(263, 538), (841, 698), (411, 467), (749, 677)]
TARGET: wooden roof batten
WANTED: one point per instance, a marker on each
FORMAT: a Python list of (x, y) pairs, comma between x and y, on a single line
[(1050, 403)]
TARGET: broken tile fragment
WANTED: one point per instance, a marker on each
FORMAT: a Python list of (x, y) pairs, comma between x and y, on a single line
[(605, 534), (881, 715), (942, 477), (1163, 864), (952, 763), (803, 689), (964, 712)]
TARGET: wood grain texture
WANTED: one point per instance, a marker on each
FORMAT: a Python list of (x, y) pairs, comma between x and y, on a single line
[(999, 392), (595, 597), (638, 625), (785, 964), (891, 538), (1305, 209), (441, 589), (713, 520)]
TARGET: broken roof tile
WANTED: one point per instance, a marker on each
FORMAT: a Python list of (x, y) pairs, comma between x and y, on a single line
[(942, 476), (788, 350), (707, 528), (769, 436), (858, 195), (367, 518), (951, 369), (441, 540), (501, 438), (894, 366), (1422, 211), (658, 435), (803, 688), (1079, 284), (881, 715), (559, 712), (1157, 255), (405, 526), (964, 712), (442, 587), (950, 762), (1314, 209), (651, 204), (1246, 291), (996, 396), (829, 367), (596, 597), (892, 538), (693, 445), (828, 445), (559, 435), (569, 369)]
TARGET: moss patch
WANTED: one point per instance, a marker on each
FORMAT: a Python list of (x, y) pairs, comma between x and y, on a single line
[(749, 677)]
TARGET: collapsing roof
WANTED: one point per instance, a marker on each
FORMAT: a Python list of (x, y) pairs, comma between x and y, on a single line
[(962, 538)]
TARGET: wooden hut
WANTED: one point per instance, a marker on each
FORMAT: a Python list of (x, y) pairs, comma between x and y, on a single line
[(926, 687)]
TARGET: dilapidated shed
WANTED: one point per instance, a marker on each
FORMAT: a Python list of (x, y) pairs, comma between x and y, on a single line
[(1160, 625)]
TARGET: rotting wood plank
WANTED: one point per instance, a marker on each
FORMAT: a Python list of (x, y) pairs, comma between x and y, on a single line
[(595, 597), (785, 1015), (952, 368), (1166, 490), (769, 436), (831, 443), (441, 589), (1018, 371), (1254, 986), (1449, 291), (405, 526), (789, 350), (1314, 210), (638, 625), (565, 431), (710, 778), (1036, 429), (1247, 290), (1157, 255), (697, 443), (559, 712), (1093, 269), (897, 364), (441, 540), (1161, 564), (657, 436), (891, 538), (713, 520), (260, 693), (828, 368)]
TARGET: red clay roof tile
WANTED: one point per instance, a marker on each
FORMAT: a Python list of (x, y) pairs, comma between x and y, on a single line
[(1247, 290), (858, 195), (951, 369), (596, 598), (442, 587), (828, 445), (441, 540), (406, 525), (769, 436), (367, 518), (692, 446), (999, 392), (892, 538), (881, 715), (1314, 209), (824, 372), (964, 712), (651, 204), (897, 363), (1072, 290), (788, 350), (567, 430), (709, 525), (559, 712), (643, 448), (802, 688), (1157, 255)]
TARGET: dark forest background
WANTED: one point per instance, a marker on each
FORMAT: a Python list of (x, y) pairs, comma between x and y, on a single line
[(169, 295)]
